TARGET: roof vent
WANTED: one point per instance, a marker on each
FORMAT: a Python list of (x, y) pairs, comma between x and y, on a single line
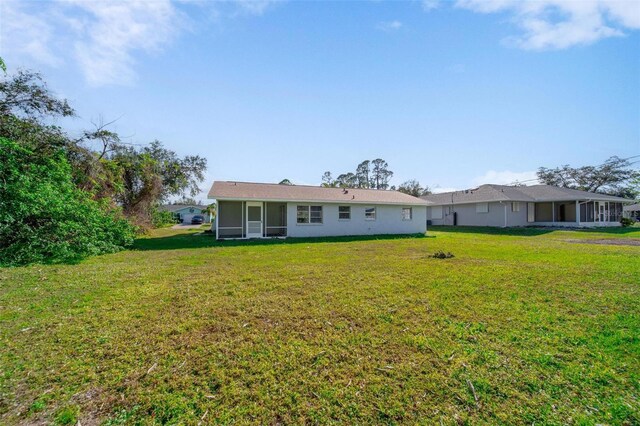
[(345, 191), (353, 197)]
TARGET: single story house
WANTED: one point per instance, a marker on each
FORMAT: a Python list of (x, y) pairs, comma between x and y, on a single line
[(632, 211), (185, 212), (536, 205), (261, 210)]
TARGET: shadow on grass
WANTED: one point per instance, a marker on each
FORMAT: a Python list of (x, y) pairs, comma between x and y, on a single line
[(531, 231), (194, 241)]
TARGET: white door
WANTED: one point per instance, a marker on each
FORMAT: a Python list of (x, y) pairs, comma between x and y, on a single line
[(254, 220)]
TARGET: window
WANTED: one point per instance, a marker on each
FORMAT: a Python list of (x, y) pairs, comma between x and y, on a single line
[(316, 214), (531, 212), (309, 214), (344, 212), (515, 206), (406, 213), (482, 207), (436, 212), (370, 213)]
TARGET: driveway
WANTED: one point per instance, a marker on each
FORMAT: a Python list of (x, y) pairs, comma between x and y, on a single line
[(189, 226)]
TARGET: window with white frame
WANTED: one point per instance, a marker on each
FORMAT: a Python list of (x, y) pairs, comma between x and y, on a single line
[(370, 213), (436, 212), (407, 214), (309, 214), (316, 214), (515, 206), (303, 214), (344, 212), (482, 207)]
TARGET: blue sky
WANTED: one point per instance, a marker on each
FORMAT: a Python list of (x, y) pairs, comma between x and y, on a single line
[(454, 94)]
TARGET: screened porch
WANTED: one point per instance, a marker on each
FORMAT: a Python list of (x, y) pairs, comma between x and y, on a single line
[(575, 212), (251, 219)]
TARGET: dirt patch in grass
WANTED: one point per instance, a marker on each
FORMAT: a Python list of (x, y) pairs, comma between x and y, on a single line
[(609, 241)]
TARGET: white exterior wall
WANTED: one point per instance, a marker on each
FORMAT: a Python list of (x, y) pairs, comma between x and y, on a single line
[(467, 215), (388, 221)]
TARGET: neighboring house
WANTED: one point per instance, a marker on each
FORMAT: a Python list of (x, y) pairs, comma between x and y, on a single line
[(260, 210), (537, 205), (184, 213), (632, 211)]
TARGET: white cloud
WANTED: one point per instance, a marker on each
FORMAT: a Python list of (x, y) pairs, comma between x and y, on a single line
[(114, 31), (559, 24), (389, 26), (428, 5), (104, 38), (255, 7), (440, 189), (22, 33), (505, 177)]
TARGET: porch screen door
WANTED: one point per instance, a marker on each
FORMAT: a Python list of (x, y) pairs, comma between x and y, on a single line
[(254, 220)]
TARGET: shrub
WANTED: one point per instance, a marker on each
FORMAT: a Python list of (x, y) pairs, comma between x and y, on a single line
[(45, 218), (625, 221), (161, 218)]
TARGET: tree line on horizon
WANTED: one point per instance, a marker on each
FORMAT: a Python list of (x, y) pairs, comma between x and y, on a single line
[(616, 176)]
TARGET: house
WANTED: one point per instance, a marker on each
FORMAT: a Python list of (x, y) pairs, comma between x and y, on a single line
[(185, 212), (632, 211), (536, 205), (259, 210)]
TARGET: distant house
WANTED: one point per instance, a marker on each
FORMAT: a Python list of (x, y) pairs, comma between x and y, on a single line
[(632, 211), (185, 212), (539, 205), (260, 210)]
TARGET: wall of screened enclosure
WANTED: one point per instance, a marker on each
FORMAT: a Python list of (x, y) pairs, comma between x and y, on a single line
[(275, 219), (231, 223), (600, 211)]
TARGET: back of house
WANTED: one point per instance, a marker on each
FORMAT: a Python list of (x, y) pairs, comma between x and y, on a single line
[(536, 205), (261, 210)]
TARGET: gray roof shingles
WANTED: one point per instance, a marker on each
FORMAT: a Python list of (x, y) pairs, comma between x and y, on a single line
[(222, 190), (533, 193)]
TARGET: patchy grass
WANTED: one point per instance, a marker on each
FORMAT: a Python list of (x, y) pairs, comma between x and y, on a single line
[(520, 326)]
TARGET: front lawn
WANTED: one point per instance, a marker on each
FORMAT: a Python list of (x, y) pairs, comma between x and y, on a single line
[(521, 326)]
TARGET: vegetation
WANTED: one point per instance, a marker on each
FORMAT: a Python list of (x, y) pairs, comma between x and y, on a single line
[(521, 326), (616, 176), (413, 187), (44, 217), (373, 174), (96, 176), (625, 221)]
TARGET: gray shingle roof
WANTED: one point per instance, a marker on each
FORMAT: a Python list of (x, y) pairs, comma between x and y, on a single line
[(533, 193), (176, 207), (632, 208), (223, 190)]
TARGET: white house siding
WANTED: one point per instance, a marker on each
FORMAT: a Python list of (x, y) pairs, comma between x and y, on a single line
[(186, 214), (467, 215), (388, 221)]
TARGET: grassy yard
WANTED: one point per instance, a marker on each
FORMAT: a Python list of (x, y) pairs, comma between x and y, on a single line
[(521, 326)]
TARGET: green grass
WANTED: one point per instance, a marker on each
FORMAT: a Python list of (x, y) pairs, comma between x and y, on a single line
[(521, 326)]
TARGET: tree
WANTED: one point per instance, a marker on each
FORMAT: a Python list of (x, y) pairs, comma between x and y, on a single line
[(362, 174), (346, 180), (186, 201), (413, 187), (26, 94), (380, 174), (327, 180), (151, 175), (609, 177), (45, 218), (285, 182)]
